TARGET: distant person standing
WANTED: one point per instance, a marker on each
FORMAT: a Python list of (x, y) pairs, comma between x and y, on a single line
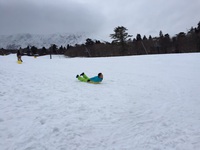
[(19, 56)]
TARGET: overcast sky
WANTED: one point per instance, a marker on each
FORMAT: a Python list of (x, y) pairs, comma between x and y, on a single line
[(98, 17)]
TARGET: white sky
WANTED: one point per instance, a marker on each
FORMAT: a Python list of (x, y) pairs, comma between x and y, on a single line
[(98, 17)]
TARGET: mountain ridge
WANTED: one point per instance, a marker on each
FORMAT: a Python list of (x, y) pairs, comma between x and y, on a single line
[(23, 40)]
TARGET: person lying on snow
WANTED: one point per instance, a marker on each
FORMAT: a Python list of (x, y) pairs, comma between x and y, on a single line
[(84, 78)]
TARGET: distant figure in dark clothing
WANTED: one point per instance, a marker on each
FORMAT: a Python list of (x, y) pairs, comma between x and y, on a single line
[(19, 56)]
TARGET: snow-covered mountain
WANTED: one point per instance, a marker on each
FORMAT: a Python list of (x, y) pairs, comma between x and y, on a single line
[(40, 40)]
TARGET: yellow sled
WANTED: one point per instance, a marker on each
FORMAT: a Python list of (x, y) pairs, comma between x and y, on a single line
[(19, 62)]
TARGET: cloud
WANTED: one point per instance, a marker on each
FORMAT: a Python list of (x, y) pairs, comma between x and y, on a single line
[(30, 17), (98, 17)]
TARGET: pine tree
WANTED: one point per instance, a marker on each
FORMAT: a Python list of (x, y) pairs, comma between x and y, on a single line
[(138, 37), (121, 36)]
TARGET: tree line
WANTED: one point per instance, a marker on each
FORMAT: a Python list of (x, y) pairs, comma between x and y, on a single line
[(123, 44), (34, 51)]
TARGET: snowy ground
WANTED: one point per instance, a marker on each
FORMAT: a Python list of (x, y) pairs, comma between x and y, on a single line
[(144, 103)]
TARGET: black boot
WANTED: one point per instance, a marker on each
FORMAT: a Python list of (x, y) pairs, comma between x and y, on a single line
[(82, 74), (77, 76)]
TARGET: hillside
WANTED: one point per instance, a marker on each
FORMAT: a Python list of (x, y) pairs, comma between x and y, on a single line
[(146, 102), (39, 40)]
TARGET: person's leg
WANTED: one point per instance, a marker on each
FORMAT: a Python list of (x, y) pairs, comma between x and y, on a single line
[(82, 79), (85, 77), (20, 58)]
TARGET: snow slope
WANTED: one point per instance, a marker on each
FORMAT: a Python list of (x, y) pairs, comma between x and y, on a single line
[(144, 103)]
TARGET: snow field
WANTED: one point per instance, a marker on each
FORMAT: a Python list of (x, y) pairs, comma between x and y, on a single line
[(144, 103)]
